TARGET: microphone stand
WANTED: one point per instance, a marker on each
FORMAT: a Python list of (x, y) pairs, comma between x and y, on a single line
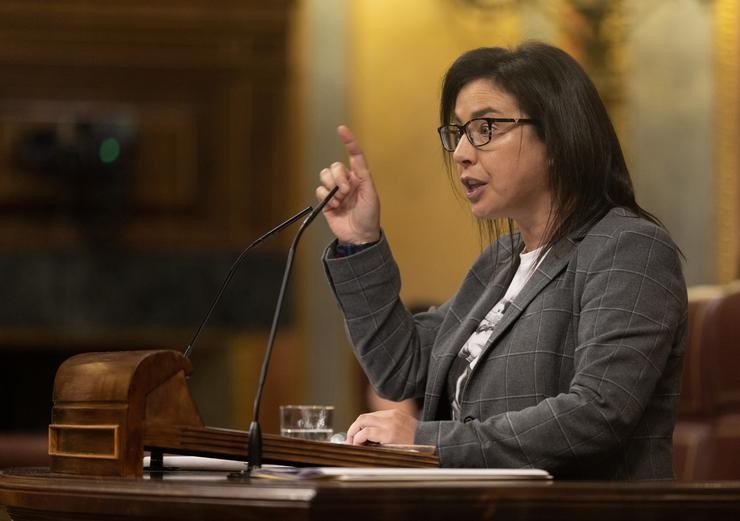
[(233, 268), (255, 433)]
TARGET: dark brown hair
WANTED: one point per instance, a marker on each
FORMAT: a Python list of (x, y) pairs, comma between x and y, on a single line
[(588, 174)]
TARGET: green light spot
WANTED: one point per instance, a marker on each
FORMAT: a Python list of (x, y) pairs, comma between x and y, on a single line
[(109, 150)]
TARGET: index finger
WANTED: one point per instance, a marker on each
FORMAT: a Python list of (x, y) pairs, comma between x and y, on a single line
[(357, 160)]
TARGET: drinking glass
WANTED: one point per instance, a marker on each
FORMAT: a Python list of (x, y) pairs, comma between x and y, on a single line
[(309, 422)]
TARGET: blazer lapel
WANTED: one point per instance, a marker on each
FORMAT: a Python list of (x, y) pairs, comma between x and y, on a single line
[(493, 292), (469, 320), (554, 262)]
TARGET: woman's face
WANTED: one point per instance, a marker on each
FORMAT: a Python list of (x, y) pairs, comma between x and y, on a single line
[(508, 177)]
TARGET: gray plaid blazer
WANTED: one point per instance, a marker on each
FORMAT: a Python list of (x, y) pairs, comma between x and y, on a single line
[(580, 377)]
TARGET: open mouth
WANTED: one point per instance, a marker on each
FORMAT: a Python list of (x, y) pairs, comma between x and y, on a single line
[(472, 187)]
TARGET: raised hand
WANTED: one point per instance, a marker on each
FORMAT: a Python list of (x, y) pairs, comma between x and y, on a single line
[(353, 214)]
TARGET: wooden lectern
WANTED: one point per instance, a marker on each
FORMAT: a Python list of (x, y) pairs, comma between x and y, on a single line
[(111, 407)]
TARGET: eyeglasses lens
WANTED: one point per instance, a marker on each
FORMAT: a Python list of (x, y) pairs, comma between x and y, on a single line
[(450, 138)]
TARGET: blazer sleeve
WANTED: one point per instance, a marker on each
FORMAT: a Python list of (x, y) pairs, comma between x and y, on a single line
[(391, 345), (630, 296)]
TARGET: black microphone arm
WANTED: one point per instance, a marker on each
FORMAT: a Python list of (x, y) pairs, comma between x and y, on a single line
[(255, 433), (232, 271)]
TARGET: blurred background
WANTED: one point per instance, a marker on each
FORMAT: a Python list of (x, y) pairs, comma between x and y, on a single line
[(144, 144)]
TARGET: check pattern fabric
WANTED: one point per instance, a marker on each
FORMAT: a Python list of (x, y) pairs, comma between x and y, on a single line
[(581, 376)]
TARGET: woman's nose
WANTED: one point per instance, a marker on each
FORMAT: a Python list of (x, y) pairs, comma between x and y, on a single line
[(464, 153)]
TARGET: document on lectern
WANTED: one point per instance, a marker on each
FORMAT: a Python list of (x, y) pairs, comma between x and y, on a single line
[(400, 474), (284, 472)]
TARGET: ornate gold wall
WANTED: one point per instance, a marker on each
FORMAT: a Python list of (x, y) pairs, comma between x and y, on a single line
[(727, 138)]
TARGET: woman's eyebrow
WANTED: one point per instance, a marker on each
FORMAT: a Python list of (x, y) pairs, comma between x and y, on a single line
[(477, 114), (482, 112)]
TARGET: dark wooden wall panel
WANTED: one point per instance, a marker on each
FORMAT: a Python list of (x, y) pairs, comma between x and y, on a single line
[(129, 256), (202, 83)]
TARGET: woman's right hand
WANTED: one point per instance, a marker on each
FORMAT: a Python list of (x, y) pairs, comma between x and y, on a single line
[(353, 214)]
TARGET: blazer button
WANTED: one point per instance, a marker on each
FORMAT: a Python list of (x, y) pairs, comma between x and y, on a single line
[(468, 419)]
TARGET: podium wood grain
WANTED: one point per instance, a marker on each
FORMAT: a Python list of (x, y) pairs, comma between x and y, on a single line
[(111, 407), (37, 494)]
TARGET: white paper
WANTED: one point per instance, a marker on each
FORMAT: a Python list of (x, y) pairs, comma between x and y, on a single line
[(401, 474), (350, 473), (432, 473), (198, 463)]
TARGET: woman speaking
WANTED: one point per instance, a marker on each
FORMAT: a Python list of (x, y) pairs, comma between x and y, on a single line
[(562, 348)]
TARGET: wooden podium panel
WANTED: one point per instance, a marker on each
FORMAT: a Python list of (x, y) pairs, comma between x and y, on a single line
[(111, 407), (38, 495)]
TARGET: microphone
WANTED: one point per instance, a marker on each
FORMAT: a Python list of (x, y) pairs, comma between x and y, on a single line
[(233, 268), (255, 433)]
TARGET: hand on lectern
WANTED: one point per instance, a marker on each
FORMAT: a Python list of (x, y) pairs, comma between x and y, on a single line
[(389, 426)]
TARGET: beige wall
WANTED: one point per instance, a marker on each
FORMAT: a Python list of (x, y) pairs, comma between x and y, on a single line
[(664, 109), (398, 53), (671, 112), (320, 94)]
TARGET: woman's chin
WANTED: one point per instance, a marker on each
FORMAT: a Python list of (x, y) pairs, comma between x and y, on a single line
[(484, 213)]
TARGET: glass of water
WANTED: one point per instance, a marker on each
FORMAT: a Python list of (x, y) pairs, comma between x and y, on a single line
[(309, 422)]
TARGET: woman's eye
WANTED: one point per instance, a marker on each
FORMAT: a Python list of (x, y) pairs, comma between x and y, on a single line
[(484, 127)]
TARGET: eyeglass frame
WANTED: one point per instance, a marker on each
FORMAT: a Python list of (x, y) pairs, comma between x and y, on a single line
[(463, 129)]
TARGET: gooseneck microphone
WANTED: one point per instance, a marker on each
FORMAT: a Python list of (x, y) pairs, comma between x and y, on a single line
[(255, 433), (233, 269)]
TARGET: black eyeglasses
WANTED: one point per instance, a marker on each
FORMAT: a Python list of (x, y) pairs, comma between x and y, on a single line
[(480, 131)]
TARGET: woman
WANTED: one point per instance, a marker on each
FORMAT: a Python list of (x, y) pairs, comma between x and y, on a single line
[(562, 349)]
